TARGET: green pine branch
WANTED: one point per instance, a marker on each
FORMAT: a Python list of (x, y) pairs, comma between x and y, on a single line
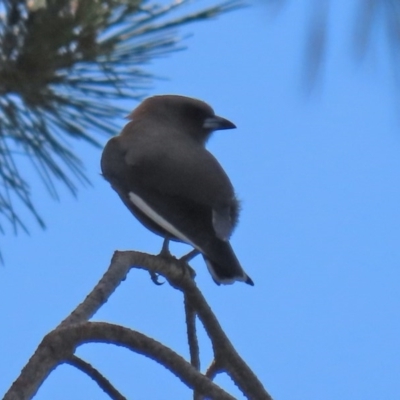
[(63, 65)]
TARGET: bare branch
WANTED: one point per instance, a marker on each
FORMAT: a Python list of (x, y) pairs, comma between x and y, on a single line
[(93, 373), (59, 345), (224, 352), (115, 274), (190, 315)]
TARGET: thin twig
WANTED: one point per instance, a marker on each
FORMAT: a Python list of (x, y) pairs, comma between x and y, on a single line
[(224, 351), (59, 345), (190, 315), (93, 373), (115, 274)]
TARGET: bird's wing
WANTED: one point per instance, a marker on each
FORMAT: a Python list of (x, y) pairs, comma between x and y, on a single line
[(223, 222), (191, 174)]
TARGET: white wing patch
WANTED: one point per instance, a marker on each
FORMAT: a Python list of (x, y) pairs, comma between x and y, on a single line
[(158, 219)]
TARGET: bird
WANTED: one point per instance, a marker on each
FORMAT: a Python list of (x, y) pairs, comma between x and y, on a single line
[(163, 173)]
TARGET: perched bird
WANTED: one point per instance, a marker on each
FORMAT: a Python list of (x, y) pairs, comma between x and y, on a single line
[(161, 170)]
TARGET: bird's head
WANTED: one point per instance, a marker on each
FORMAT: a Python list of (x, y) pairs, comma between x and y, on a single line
[(184, 114)]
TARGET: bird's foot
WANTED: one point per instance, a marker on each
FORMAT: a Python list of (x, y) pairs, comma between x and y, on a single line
[(186, 268), (165, 253)]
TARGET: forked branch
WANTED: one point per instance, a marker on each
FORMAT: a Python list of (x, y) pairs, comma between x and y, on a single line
[(60, 344)]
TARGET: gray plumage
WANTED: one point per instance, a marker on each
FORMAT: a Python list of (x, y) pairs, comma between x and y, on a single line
[(161, 170)]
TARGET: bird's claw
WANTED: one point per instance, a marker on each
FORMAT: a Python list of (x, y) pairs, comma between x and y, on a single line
[(154, 277), (186, 268)]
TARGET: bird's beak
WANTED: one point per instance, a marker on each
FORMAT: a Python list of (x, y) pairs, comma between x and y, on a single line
[(216, 123)]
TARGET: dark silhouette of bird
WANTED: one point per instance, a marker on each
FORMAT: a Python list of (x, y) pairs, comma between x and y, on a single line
[(161, 170)]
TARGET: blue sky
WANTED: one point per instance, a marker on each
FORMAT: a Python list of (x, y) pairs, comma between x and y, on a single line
[(318, 177)]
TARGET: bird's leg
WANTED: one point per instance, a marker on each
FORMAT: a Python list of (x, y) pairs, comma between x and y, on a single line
[(163, 253), (165, 248), (184, 260), (187, 257)]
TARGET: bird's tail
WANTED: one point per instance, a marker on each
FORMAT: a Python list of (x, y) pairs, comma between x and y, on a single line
[(224, 266)]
